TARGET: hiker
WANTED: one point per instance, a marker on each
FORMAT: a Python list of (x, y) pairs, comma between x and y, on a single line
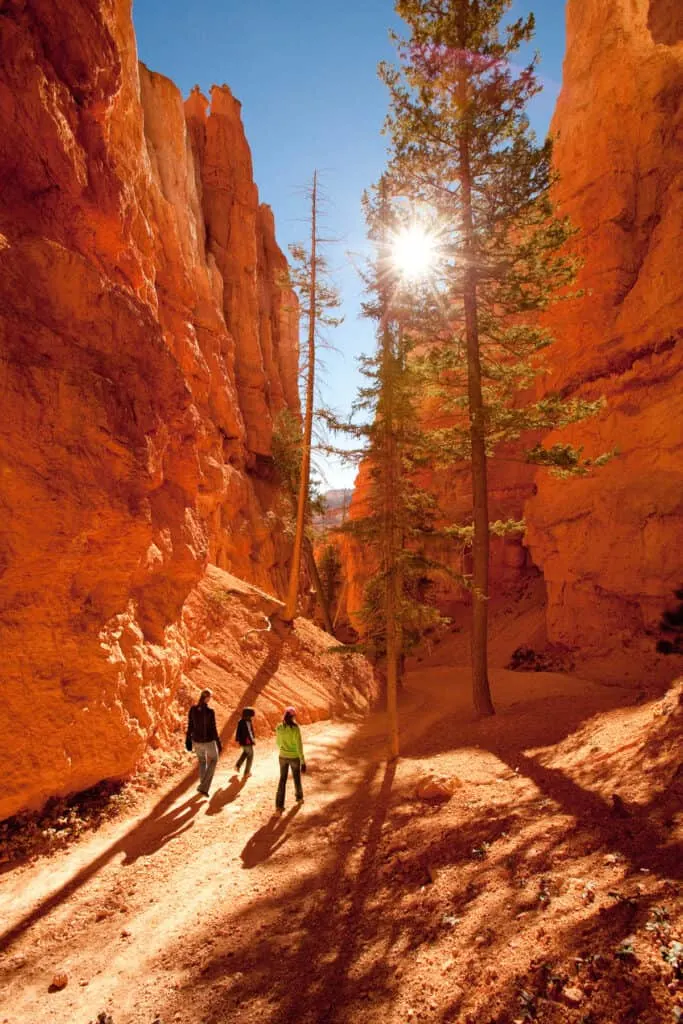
[(246, 739), (202, 737), (288, 739)]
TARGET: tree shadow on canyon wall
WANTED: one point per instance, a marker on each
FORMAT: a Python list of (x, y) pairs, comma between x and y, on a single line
[(163, 822)]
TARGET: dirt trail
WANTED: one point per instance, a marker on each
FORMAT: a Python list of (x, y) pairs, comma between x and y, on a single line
[(365, 903)]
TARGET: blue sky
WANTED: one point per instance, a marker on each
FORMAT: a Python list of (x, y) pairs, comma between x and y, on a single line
[(306, 75)]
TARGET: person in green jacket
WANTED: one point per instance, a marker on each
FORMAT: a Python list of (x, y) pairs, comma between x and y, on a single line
[(288, 739)]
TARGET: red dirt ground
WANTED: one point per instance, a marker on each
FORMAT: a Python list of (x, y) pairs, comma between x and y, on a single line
[(547, 888)]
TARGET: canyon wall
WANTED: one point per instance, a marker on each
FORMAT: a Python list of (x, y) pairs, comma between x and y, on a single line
[(611, 546), (147, 342)]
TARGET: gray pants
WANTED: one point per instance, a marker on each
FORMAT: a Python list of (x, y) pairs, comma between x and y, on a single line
[(207, 755)]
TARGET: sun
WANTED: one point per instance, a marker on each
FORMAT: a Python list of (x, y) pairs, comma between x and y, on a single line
[(414, 252)]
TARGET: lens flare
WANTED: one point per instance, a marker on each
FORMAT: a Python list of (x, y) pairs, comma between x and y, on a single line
[(414, 252)]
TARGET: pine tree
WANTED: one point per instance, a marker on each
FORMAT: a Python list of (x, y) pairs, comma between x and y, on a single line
[(331, 575), (461, 145), (400, 515), (317, 299)]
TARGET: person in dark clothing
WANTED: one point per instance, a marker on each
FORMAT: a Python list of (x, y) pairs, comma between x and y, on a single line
[(246, 739), (202, 737)]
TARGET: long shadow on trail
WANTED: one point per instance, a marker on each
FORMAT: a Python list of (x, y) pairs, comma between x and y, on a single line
[(224, 796), (161, 821), (267, 839), (637, 834), (162, 830), (323, 948), (305, 942)]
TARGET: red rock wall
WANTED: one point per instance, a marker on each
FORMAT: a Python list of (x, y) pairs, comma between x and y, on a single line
[(146, 345), (611, 547)]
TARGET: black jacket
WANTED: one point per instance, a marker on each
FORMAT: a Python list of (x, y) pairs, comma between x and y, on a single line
[(245, 733), (201, 726)]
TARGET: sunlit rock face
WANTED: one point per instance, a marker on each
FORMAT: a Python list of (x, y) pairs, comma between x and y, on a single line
[(610, 546), (147, 344)]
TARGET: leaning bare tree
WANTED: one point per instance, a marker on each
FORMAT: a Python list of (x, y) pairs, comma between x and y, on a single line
[(317, 299)]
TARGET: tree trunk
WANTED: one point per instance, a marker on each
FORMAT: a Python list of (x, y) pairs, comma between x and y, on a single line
[(317, 583), (389, 545), (481, 693), (302, 502)]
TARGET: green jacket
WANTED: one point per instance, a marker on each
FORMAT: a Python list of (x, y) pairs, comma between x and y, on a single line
[(288, 739)]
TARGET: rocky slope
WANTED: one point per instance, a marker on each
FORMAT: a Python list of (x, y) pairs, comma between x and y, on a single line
[(147, 343)]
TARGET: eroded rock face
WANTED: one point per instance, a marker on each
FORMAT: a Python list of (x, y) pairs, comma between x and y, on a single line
[(142, 368), (610, 546)]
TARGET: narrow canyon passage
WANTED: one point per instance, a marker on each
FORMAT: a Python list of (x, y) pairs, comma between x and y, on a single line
[(364, 901), (121, 912)]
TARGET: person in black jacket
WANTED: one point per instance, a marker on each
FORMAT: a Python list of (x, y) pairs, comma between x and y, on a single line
[(202, 737), (246, 739)]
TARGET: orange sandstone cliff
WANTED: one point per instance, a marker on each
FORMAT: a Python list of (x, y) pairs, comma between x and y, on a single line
[(611, 546), (147, 343)]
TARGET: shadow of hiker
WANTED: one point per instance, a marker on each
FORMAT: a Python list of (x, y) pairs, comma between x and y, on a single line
[(326, 932), (139, 831), (268, 839), (164, 828), (224, 796)]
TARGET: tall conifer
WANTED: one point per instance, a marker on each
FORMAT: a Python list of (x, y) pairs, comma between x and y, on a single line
[(461, 145), (399, 515)]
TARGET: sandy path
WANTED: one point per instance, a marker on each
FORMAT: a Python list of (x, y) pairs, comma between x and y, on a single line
[(106, 911), (208, 911)]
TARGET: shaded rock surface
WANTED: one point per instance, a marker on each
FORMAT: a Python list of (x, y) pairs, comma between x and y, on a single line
[(146, 345), (242, 653), (610, 545)]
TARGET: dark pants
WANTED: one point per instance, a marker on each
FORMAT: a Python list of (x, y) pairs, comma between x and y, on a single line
[(285, 764), (247, 756)]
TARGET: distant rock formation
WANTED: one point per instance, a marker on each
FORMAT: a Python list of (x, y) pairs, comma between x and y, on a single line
[(336, 509), (147, 342)]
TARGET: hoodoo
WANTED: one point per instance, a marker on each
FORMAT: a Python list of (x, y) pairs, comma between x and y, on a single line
[(144, 360)]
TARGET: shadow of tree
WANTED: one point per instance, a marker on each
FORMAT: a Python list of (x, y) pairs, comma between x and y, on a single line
[(636, 832), (304, 952), (264, 674), (325, 952), (321, 950)]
